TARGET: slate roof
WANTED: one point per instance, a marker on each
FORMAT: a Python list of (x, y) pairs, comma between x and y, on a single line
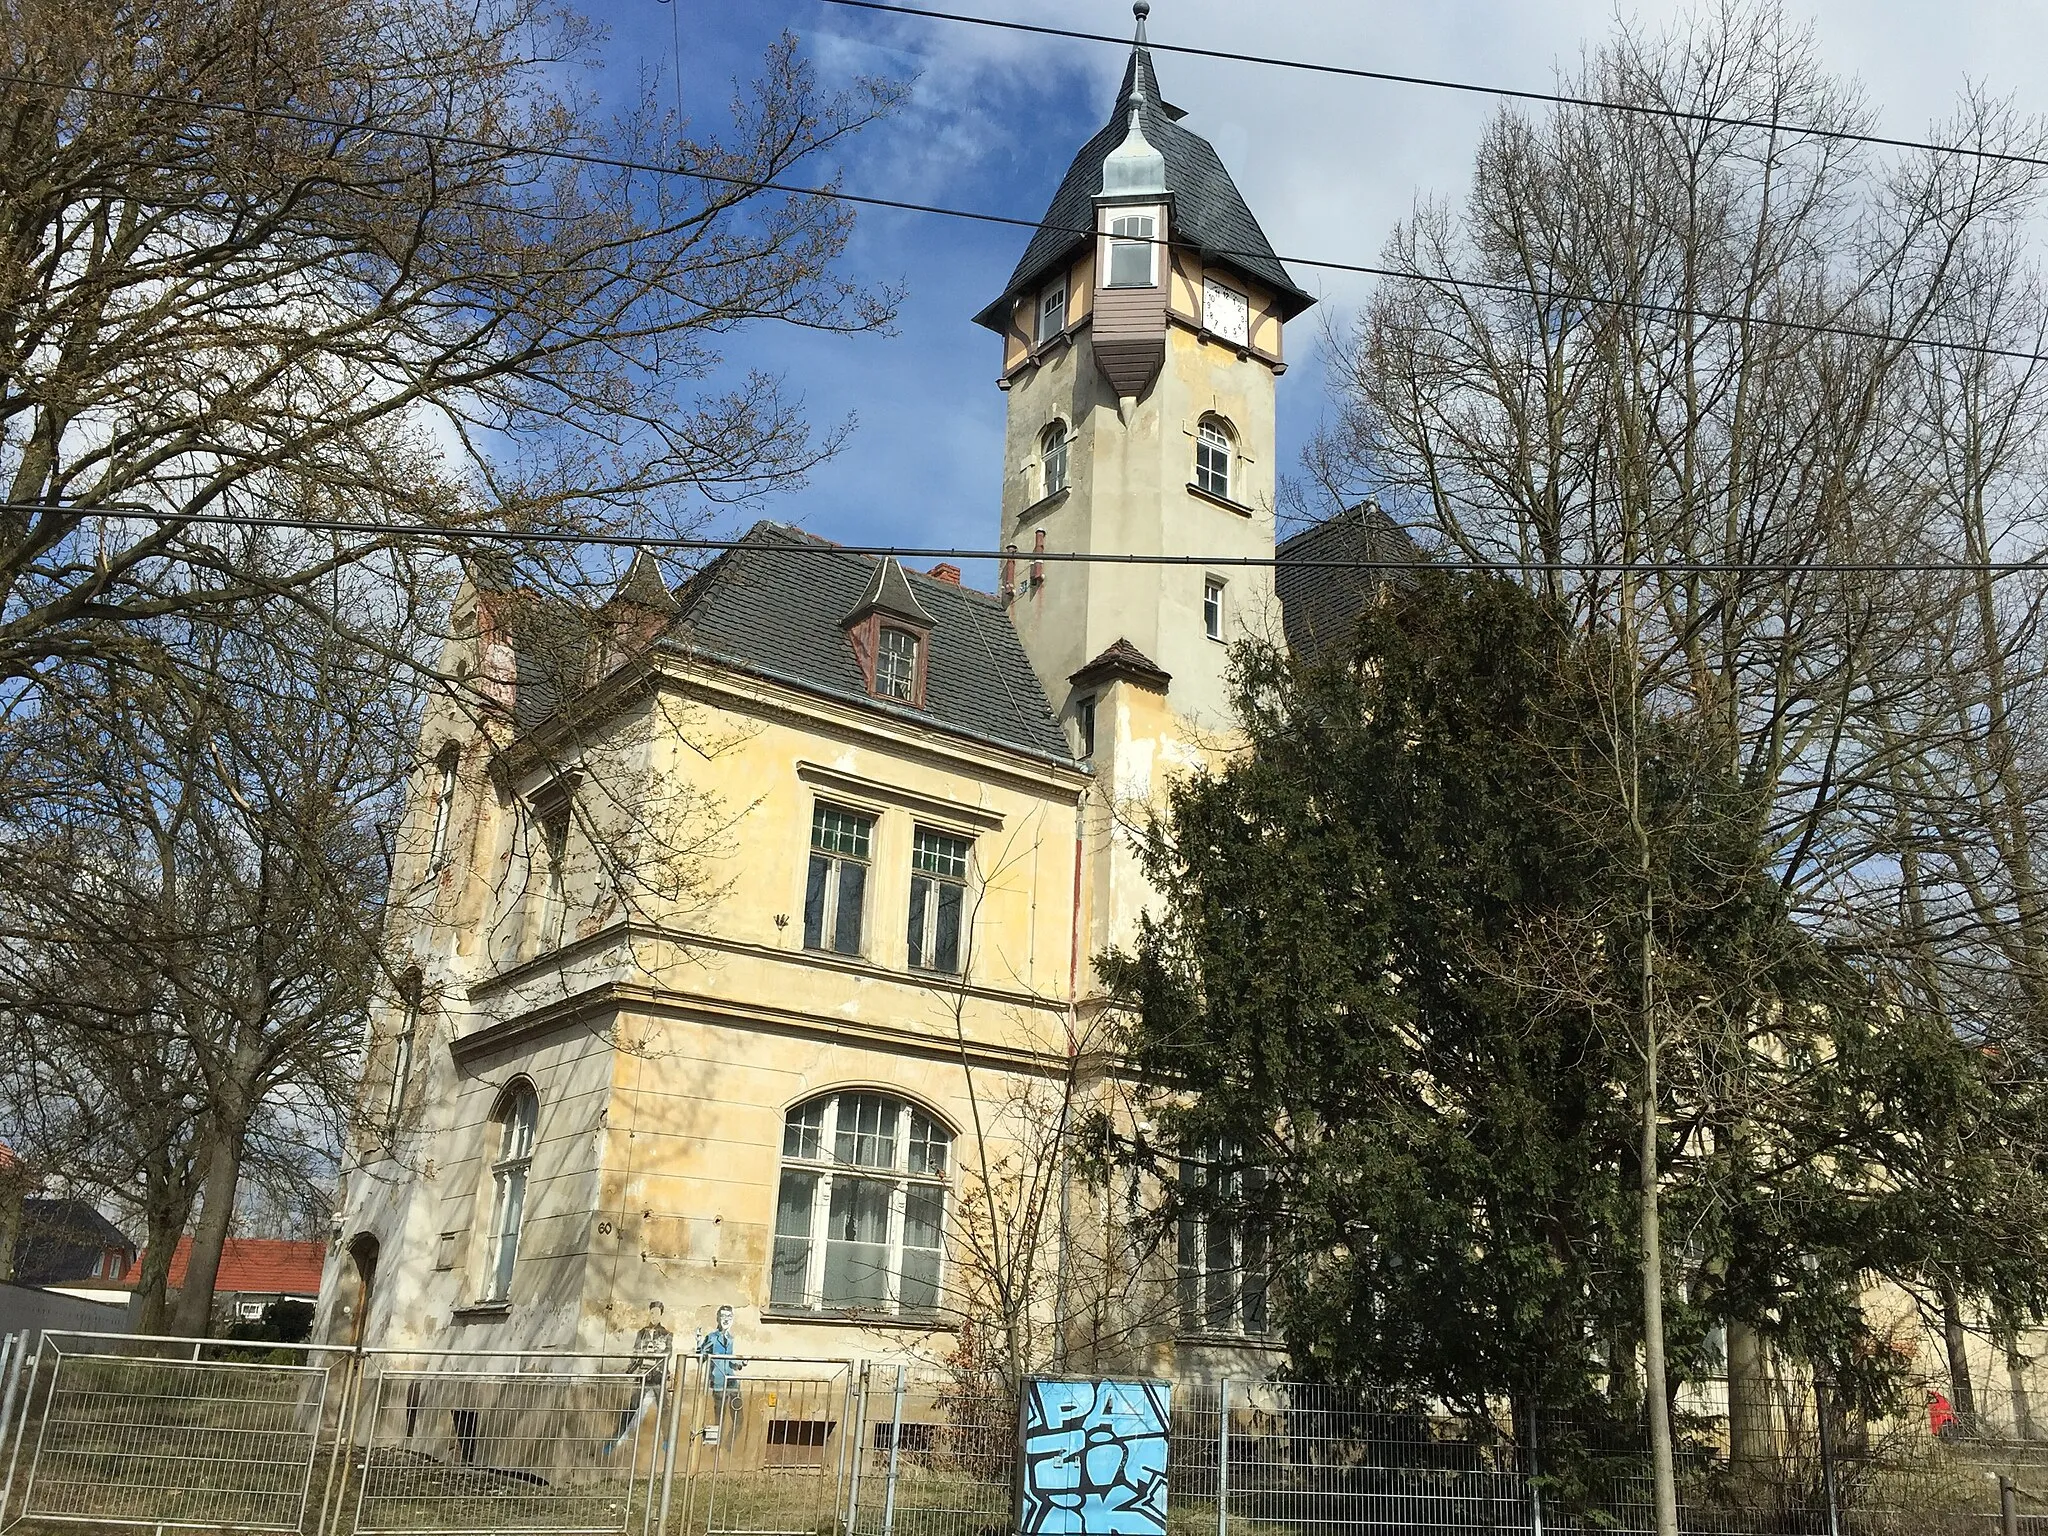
[(1120, 656), (775, 607), (62, 1241), (1209, 213), (1320, 604)]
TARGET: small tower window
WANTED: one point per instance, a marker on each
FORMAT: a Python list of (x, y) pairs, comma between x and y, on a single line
[(1130, 251), (1052, 455), (1084, 724), (447, 765), (1212, 608), (1212, 459), (896, 664), (1052, 312)]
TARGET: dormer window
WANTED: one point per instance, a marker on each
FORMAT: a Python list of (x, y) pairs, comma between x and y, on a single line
[(1130, 250), (1052, 312), (896, 665)]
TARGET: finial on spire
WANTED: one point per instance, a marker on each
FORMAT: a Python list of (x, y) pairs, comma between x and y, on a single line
[(1141, 10)]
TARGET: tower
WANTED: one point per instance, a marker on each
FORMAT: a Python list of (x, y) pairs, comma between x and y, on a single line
[(1141, 341)]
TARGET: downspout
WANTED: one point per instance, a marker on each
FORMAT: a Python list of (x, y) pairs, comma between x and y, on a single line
[(1059, 1309)]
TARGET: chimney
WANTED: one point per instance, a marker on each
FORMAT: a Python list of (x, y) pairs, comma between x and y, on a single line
[(1038, 566), (947, 572)]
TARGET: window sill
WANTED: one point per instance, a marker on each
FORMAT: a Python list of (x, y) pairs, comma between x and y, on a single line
[(933, 1323), (1213, 1340), (482, 1312), (1043, 505), (1224, 502)]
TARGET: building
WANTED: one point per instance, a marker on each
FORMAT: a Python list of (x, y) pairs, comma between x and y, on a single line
[(254, 1273), (749, 924), (64, 1244)]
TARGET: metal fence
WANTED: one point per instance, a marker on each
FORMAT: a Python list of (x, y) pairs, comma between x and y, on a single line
[(111, 1431)]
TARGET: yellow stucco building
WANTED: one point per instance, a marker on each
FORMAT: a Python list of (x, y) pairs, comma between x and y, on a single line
[(747, 928)]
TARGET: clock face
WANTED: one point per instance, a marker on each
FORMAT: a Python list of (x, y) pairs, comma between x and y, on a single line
[(1225, 313)]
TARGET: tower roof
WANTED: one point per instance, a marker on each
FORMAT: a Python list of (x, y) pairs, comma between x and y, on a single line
[(1209, 213)]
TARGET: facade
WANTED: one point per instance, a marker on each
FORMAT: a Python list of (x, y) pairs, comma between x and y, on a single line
[(748, 926)]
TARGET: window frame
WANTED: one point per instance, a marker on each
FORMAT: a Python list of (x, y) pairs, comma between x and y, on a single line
[(1051, 292), (1214, 590), (1247, 1272), (515, 1124), (924, 942), (885, 659), (1054, 444), (831, 919), (1128, 239), (448, 768), (814, 1149), (1215, 459), (409, 993)]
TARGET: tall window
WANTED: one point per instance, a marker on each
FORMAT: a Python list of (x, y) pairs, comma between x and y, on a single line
[(551, 816), (835, 890), (1212, 608), (1084, 724), (861, 1213), (1052, 312), (1052, 457), (1225, 1265), (1130, 251), (1212, 459), (938, 897), (896, 664), (401, 1056), (446, 767), (511, 1146)]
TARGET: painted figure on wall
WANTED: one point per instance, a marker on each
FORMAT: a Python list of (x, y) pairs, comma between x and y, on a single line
[(1094, 1458), (721, 1377), (649, 1368)]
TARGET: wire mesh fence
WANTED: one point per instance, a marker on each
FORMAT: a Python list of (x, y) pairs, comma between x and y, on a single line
[(768, 1445)]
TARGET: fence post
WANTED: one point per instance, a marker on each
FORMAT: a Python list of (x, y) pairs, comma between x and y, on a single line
[(1536, 1487), (860, 1425), (1223, 1457), (28, 1398), (674, 1396), (1827, 1457), (2008, 1506), (895, 1445), (15, 1346)]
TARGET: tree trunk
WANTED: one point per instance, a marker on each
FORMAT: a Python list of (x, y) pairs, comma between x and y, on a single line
[(193, 1313), (151, 1304), (1656, 1394), (2016, 1374), (1962, 1396), (1749, 1398)]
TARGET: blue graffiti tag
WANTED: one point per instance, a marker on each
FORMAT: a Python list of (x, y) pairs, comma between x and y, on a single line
[(1094, 1458)]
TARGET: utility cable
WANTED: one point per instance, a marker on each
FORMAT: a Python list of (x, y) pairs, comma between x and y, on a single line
[(815, 545), (903, 205), (1549, 98)]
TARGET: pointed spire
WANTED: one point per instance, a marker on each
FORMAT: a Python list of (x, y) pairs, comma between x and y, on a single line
[(1141, 10), (643, 587)]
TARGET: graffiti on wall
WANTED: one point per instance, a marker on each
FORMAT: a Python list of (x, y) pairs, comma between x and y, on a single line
[(1094, 1458)]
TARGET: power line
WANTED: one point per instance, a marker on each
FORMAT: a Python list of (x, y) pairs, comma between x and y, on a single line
[(902, 205), (1551, 98), (679, 544)]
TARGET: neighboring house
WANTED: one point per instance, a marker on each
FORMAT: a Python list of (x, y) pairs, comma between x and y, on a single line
[(66, 1245), (254, 1272), (751, 928)]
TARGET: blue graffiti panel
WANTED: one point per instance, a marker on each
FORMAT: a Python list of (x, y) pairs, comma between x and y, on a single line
[(1094, 1458)]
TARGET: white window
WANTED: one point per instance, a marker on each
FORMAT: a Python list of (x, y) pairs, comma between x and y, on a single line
[(1052, 458), (896, 664), (1212, 608), (1130, 251), (511, 1133), (249, 1311), (447, 765), (1225, 1262), (1052, 311), (860, 1215), (938, 899), (401, 1056), (835, 890), (1212, 459), (1225, 313)]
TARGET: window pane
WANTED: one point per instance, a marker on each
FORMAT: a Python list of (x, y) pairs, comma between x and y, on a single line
[(1130, 266), (896, 664), (802, 1133), (928, 1144), (920, 902), (791, 1272), (814, 901), (857, 1245), (792, 1265), (946, 946), (1257, 1276), (924, 1221), (837, 831), (937, 853), (853, 884), (511, 1202), (866, 1135)]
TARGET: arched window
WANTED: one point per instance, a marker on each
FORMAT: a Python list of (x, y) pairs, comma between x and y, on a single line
[(860, 1216), (401, 1055), (1052, 458), (510, 1147), (1213, 454), (446, 766)]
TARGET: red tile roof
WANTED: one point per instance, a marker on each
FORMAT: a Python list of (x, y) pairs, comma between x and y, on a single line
[(260, 1266)]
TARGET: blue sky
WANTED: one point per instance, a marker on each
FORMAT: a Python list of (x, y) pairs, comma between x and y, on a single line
[(1328, 165)]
